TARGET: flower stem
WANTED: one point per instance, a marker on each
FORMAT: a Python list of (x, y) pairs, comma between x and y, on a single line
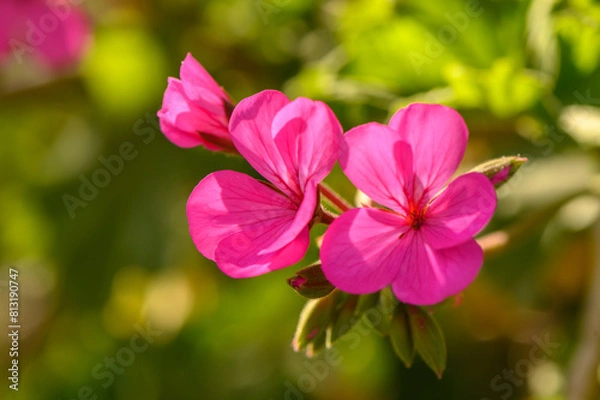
[(334, 198), (323, 216)]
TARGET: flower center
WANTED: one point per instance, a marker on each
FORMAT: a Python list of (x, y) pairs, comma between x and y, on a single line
[(416, 218)]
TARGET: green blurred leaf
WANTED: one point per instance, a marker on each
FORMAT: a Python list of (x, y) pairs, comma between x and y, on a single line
[(126, 71), (579, 28), (510, 88), (582, 123), (541, 38)]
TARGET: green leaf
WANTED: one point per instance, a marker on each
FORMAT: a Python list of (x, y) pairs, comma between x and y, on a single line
[(310, 282), (428, 339), (400, 336)]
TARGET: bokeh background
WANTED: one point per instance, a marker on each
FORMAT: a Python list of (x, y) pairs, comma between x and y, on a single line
[(525, 76)]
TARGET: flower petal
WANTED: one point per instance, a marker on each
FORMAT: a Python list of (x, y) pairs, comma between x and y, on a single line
[(438, 138), (428, 276), (183, 122), (304, 215), (200, 86), (307, 134), (250, 128), (243, 262), (232, 216), (57, 35), (460, 211), (377, 162), (360, 252)]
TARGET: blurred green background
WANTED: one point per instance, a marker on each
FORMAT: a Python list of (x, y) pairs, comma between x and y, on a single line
[(524, 74)]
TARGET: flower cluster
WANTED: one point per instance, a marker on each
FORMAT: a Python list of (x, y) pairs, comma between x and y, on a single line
[(417, 234)]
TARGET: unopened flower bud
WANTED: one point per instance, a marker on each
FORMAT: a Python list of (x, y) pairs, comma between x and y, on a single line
[(500, 170), (311, 283)]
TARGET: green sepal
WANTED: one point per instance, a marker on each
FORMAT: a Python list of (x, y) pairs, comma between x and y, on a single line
[(387, 304), (428, 338), (344, 316), (366, 302), (312, 326), (400, 336)]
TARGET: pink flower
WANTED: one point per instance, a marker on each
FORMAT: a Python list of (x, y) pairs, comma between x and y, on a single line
[(195, 110), (249, 227), (55, 31), (423, 245)]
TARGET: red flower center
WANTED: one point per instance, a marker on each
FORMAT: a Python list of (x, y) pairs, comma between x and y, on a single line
[(416, 218)]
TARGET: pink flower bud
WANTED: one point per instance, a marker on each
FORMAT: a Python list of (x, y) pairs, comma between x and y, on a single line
[(196, 110)]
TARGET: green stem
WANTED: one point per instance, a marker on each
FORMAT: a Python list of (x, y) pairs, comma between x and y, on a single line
[(334, 198), (323, 216)]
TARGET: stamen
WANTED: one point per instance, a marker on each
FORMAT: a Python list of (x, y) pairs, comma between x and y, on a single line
[(416, 218)]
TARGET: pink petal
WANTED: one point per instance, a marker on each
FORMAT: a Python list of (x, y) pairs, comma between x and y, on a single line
[(65, 44), (378, 162), (428, 276), (9, 15), (239, 261), (438, 138), (183, 122), (460, 211), (200, 86), (250, 128), (304, 215), (56, 32), (233, 218), (307, 135), (361, 250)]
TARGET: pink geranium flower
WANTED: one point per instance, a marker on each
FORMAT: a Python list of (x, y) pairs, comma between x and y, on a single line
[(54, 32), (249, 227), (195, 110), (423, 243)]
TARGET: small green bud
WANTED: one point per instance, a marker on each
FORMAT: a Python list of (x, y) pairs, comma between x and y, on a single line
[(310, 282), (500, 170)]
